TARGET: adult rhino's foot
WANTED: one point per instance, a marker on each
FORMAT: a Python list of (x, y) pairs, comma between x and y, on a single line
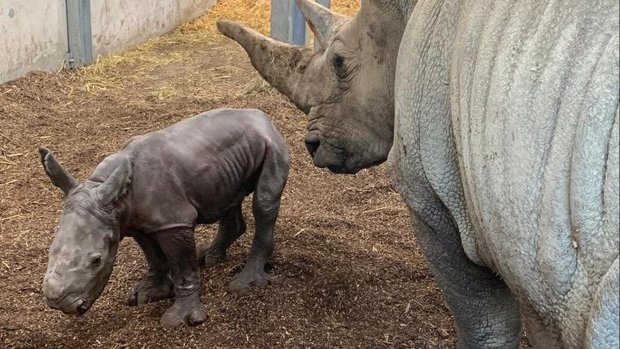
[(209, 256), (249, 278), (151, 289), (184, 312)]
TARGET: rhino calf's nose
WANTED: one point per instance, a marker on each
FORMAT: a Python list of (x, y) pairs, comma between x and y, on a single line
[(52, 289)]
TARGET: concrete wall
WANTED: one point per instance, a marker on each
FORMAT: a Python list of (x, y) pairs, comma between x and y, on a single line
[(120, 24), (33, 34)]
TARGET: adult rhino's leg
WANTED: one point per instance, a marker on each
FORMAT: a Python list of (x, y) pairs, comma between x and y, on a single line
[(486, 313), (603, 328), (231, 227), (425, 170), (179, 247), (156, 284), (539, 333), (265, 207)]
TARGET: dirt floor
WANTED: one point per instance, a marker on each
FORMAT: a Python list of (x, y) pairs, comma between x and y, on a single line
[(347, 271)]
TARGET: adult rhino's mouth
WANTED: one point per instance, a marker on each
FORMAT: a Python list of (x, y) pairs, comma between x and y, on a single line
[(341, 170), (325, 155), (337, 160), (352, 170)]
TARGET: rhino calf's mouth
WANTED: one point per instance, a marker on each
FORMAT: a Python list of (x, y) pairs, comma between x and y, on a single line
[(69, 304)]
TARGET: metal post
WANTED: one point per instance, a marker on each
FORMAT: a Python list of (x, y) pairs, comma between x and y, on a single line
[(326, 3), (287, 22), (79, 33)]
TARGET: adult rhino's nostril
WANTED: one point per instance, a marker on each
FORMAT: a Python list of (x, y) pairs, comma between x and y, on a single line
[(312, 147)]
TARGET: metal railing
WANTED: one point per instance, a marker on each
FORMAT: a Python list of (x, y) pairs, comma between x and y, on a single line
[(79, 35), (287, 22)]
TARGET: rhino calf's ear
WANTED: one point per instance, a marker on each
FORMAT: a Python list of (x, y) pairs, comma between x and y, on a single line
[(116, 185), (57, 174)]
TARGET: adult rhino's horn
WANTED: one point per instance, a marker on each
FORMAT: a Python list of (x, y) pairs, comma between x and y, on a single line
[(323, 22), (282, 65)]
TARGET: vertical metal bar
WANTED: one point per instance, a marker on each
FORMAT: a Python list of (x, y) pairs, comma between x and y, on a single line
[(299, 25), (287, 22), (326, 3), (279, 28), (79, 33)]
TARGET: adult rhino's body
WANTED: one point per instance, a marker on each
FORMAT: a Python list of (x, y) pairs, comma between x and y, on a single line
[(507, 124), (505, 148)]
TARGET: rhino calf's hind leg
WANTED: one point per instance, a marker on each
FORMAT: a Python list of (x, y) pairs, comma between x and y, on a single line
[(231, 227), (265, 207), (179, 247), (156, 285)]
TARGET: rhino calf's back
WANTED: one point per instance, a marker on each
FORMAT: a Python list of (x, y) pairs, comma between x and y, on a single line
[(197, 169)]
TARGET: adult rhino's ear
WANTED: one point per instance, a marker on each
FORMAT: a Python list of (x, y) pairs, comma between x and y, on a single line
[(116, 185), (57, 174)]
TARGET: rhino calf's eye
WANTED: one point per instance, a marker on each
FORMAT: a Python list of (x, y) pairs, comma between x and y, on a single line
[(95, 261)]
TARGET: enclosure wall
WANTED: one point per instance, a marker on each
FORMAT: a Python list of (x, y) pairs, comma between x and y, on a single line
[(120, 24), (33, 36), (33, 33)]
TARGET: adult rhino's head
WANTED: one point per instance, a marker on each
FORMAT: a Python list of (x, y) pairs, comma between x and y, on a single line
[(84, 248), (346, 87)]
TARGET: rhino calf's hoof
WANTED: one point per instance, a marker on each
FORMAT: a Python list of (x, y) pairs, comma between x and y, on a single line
[(150, 290), (209, 257), (245, 280), (177, 316), (211, 260)]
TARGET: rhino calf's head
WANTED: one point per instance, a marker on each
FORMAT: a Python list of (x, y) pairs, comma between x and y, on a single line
[(84, 248), (346, 87)]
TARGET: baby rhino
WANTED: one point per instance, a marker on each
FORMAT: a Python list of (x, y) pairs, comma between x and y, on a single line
[(156, 189)]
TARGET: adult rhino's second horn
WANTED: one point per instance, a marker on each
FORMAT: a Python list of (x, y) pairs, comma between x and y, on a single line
[(282, 65), (323, 22)]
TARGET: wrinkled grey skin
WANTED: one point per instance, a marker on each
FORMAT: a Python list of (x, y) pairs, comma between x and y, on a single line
[(337, 80), (156, 189), (505, 148)]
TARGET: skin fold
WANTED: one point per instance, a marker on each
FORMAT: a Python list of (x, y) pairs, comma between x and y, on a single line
[(156, 189), (499, 122)]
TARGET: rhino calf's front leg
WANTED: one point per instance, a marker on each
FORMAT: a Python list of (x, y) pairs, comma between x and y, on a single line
[(179, 247), (156, 285)]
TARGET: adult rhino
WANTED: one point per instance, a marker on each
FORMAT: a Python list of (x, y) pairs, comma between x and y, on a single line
[(502, 120)]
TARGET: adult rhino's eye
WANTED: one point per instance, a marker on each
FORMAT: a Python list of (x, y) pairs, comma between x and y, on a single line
[(95, 261), (339, 66)]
